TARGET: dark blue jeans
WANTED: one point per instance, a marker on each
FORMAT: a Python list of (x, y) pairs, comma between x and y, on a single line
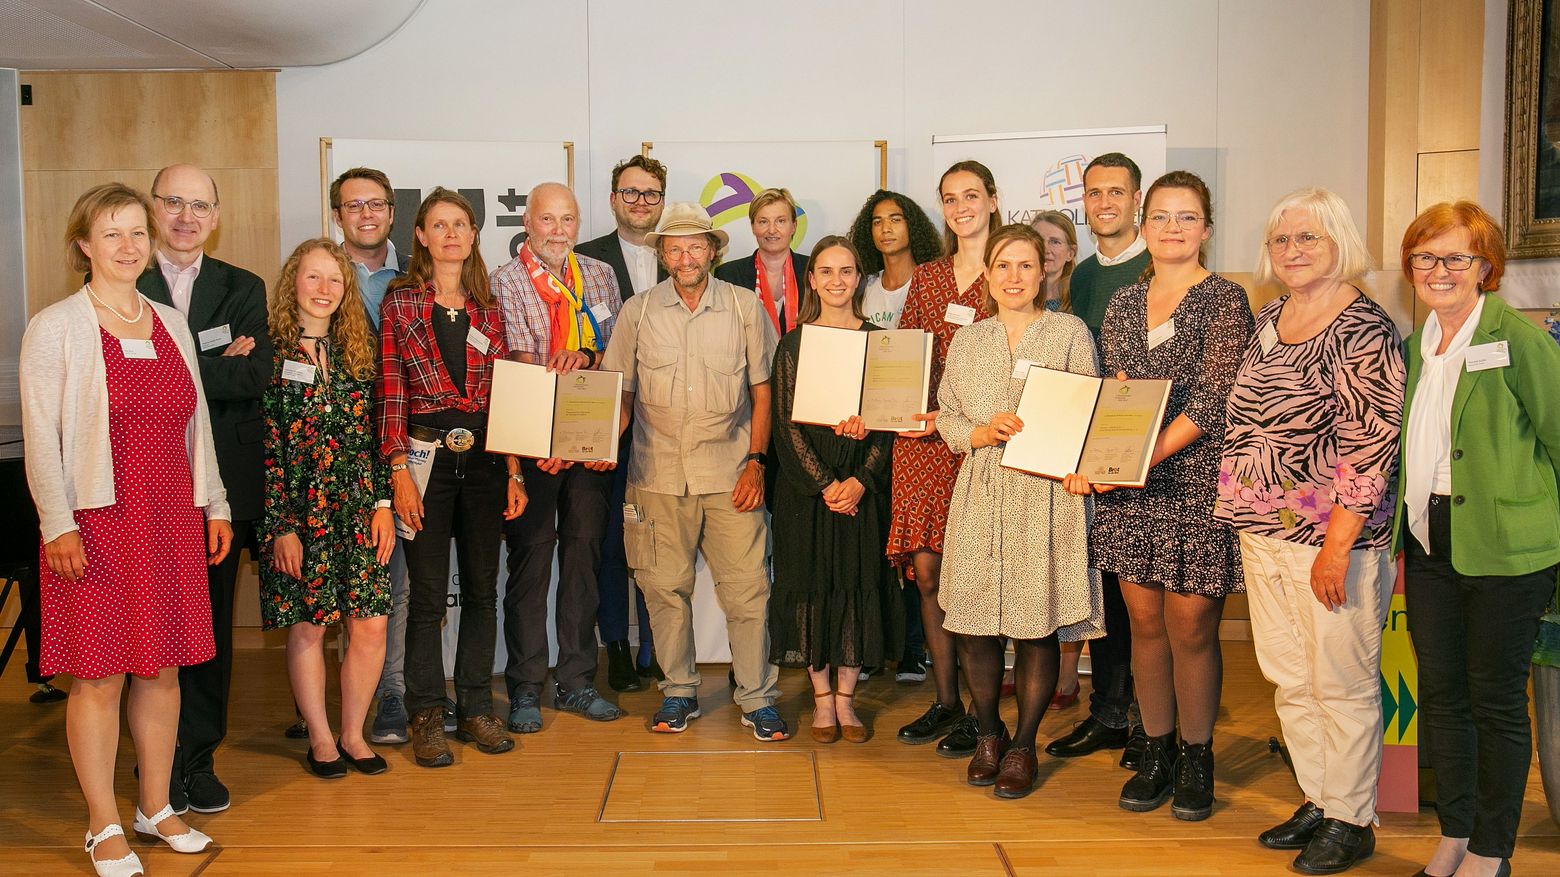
[(612, 580)]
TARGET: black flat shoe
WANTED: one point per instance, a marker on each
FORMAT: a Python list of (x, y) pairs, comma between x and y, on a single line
[(1296, 831), (1087, 737), (370, 765), (1336, 847), (935, 722), (46, 693), (334, 769), (961, 740)]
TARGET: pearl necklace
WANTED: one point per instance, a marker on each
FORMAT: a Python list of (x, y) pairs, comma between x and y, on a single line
[(140, 307)]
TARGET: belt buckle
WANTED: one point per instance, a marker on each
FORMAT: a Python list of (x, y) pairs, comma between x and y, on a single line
[(459, 440)]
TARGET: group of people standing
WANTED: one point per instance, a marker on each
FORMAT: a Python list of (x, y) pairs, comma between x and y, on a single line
[(337, 429)]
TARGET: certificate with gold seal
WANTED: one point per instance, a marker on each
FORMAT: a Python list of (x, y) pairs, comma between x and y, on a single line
[(543, 414), (1100, 428), (883, 376)]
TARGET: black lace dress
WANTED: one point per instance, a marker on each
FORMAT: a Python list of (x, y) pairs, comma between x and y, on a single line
[(835, 601)]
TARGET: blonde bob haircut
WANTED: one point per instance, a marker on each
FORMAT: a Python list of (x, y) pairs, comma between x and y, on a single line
[(1329, 211), (769, 196), (106, 199)]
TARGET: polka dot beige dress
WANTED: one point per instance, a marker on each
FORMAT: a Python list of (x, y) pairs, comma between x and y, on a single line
[(1016, 556)]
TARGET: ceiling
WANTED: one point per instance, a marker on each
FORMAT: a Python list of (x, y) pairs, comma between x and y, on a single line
[(192, 34)]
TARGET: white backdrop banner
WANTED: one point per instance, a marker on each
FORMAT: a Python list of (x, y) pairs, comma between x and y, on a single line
[(830, 180), (1043, 170), (494, 176)]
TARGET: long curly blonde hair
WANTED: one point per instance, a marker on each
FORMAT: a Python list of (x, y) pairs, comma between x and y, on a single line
[(349, 327)]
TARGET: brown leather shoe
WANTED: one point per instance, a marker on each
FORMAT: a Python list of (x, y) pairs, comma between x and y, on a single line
[(428, 744), (486, 733), (1017, 776), (989, 749)]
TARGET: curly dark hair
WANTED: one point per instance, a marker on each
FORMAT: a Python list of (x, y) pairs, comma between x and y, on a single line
[(925, 243)]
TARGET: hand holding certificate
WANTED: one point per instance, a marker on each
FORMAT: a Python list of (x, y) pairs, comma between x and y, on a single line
[(881, 376), (542, 414), (1102, 429)]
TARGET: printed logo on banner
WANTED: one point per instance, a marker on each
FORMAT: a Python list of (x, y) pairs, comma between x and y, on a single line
[(1062, 186), (512, 215), (1399, 679), (726, 198)]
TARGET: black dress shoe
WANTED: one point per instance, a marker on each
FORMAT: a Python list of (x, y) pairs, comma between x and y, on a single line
[(298, 730), (1137, 744), (334, 769), (1336, 847), (621, 675), (206, 793), (935, 722), (46, 693), (1295, 832), (1086, 737), (961, 739), (371, 765)]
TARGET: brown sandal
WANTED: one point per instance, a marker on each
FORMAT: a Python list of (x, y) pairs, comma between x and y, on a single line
[(832, 732), (852, 733)]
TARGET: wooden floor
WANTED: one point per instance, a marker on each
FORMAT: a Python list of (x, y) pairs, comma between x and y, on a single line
[(588, 798)]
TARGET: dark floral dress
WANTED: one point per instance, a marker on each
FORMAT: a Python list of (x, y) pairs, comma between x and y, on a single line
[(323, 480)]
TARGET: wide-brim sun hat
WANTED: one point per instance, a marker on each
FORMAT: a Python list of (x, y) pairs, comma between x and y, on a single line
[(682, 218)]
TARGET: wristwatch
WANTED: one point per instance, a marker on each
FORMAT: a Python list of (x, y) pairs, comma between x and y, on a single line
[(397, 467), (757, 457), (518, 479)]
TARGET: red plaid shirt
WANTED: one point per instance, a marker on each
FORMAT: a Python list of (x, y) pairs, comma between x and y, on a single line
[(412, 377)]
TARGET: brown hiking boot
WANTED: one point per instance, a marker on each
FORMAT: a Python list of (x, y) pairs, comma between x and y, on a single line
[(486, 733), (428, 744)]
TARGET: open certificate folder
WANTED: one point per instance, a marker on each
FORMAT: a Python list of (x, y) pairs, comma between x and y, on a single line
[(1100, 428), (883, 376), (542, 414)]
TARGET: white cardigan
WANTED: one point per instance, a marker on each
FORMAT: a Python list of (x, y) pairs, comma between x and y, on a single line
[(64, 388)]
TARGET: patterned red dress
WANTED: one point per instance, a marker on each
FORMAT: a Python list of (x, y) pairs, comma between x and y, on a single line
[(143, 603), (924, 468)]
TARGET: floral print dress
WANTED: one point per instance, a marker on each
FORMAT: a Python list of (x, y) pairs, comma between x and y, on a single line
[(323, 481)]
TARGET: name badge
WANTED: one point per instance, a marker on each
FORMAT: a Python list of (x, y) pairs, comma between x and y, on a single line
[(1268, 338), (959, 315), (220, 336), (601, 312), (1164, 332), (1021, 369), (631, 513), (476, 339), (135, 348), (299, 372), (1482, 357)]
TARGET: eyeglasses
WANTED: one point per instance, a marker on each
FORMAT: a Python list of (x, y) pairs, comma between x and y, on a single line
[(175, 205), (1160, 218), (697, 251), (632, 196), (1453, 262), (377, 205), (1305, 241)]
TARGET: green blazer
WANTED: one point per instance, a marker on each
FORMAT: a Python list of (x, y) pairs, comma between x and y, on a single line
[(1505, 451)]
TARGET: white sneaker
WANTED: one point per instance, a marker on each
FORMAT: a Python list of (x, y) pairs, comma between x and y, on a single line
[(191, 841), (128, 866)]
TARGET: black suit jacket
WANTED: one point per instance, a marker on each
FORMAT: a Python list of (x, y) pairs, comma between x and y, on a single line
[(226, 295), (743, 272), (607, 249)]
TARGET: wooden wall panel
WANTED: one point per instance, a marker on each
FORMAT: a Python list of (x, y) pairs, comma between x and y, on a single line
[(1393, 137), (1451, 74), (73, 140)]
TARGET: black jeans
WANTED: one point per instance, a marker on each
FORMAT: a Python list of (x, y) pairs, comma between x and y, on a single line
[(1110, 660), (203, 688), (567, 512), (1473, 637), (468, 506), (612, 581)]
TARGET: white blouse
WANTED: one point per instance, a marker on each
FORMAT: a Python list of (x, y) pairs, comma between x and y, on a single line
[(1428, 460)]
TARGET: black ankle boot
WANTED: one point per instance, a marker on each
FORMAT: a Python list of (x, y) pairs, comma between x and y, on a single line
[(620, 667), (1193, 782), (1150, 787)]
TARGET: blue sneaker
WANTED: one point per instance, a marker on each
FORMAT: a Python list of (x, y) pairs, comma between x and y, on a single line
[(767, 725), (673, 716)]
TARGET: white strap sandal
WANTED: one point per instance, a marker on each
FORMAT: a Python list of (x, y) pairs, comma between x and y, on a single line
[(191, 841), (129, 866)]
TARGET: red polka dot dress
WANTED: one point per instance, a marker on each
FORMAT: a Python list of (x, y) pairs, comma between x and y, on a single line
[(143, 603)]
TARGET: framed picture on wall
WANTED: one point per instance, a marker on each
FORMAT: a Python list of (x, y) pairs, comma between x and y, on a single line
[(1533, 130)]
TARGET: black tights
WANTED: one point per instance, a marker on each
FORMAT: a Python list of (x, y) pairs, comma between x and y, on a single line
[(1177, 667), (939, 642), (1034, 675)]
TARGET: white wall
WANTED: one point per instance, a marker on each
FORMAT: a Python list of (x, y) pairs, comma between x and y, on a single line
[(1260, 96), (13, 249)]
